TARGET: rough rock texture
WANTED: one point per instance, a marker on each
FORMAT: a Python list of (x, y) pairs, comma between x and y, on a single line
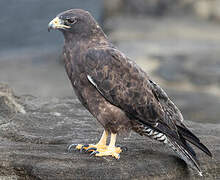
[(8, 105), (33, 146)]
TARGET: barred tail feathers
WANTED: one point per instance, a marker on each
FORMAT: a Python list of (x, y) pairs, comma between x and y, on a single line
[(177, 142)]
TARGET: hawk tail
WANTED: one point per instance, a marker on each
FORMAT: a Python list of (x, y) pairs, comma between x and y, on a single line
[(190, 137), (185, 152), (177, 142)]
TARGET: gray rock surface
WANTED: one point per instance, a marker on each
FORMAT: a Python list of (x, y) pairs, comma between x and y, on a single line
[(33, 146)]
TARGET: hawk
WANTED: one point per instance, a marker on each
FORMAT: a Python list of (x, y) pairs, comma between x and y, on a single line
[(117, 92)]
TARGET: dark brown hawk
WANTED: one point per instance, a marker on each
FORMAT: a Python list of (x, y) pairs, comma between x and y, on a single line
[(118, 93)]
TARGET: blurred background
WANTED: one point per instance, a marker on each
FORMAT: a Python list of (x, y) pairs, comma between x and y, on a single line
[(176, 41)]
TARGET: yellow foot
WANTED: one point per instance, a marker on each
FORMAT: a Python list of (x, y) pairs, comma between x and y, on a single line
[(109, 151), (100, 149), (90, 147)]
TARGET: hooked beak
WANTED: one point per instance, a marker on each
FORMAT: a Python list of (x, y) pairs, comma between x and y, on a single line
[(57, 23)]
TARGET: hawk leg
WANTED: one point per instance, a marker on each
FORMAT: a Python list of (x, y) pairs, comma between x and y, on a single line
[(93, 147), (111, 150)]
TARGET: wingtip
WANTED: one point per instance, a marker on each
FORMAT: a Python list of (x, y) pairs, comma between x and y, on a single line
[(200, 173), (208, 152)]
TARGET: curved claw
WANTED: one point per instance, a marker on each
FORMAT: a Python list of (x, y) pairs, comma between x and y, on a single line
[(83, 147), (91, 149), (94, 153), (70, 147), (118, 157), (124, 149)]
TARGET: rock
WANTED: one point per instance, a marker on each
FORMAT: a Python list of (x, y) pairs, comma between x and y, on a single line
[(8, 102), (33, 146)]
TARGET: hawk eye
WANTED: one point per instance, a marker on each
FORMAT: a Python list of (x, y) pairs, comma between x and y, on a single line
[(71, 20)]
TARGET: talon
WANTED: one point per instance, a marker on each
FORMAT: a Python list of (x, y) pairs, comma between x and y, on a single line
[(81, 149), (91, 149), (101, 149), (94, 153), (85, 145), (118, 157), (124, 149), (79, 146), (70, 147)]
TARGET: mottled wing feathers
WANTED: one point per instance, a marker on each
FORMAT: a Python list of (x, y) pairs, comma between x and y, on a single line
[(173, 115), (123, 84)]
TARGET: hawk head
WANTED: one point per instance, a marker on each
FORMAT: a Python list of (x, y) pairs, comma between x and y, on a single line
[(75, 22)]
